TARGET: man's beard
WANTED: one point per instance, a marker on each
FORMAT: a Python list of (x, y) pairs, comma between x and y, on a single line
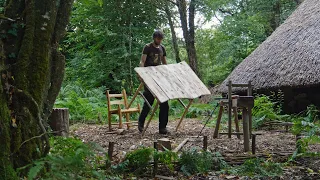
[(156, 43)]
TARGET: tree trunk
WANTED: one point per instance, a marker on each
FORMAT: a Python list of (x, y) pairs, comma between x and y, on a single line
[(275, 21), (189, 32), (59, 121), (173, 34), (32, 70)]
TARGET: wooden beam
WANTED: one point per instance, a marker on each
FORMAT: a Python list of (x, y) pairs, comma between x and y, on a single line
[(184, 114)]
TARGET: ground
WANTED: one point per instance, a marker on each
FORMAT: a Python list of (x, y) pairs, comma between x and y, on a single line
[(268, 142)]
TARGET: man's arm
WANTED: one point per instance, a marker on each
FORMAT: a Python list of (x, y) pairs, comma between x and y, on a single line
[(143, 60), (164, 60)]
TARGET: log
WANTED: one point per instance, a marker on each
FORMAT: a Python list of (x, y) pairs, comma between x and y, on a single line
[(59, 121), (181, 145)]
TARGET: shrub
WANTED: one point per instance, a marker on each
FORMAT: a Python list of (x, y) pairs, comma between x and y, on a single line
[(195, 161), (68, 159), (257, 168)]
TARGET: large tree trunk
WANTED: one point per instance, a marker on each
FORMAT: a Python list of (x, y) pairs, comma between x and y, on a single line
[(189, 32), (32, 70), (173, 33)]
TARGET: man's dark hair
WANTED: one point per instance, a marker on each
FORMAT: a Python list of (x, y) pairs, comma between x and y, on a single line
[(158, 34)]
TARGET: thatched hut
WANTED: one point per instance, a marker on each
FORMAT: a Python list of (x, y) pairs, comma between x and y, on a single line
[(288, 60)]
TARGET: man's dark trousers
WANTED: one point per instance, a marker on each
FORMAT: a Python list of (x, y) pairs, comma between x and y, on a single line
[(164, 110)]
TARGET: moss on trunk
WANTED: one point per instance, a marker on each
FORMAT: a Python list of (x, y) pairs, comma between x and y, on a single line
[(33, 79)]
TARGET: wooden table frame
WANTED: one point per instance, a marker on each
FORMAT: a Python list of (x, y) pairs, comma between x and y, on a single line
[(153, 110)]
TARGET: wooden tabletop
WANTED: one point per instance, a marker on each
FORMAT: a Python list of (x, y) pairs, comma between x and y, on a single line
[(173, 81)]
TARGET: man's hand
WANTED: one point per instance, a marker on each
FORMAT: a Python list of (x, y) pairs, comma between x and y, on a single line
[(143, 60), (164, 60)]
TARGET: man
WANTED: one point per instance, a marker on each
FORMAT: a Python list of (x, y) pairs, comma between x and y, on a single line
[(154, 54)]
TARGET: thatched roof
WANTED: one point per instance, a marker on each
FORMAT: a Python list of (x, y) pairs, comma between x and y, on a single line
[(290, 57)]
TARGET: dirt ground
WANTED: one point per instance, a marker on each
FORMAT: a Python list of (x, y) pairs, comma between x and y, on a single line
[(266, 143)]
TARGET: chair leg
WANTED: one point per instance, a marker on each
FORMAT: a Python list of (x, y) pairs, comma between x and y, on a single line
[(120, 120), (109, 121), (128, 120)]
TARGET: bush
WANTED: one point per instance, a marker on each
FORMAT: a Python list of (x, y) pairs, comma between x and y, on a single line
[(265, 110), (83, 104), (195, 161), (68, 159), (257, 168), (308, 125)]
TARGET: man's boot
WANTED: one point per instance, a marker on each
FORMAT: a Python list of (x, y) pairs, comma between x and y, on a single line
[(163, 131)]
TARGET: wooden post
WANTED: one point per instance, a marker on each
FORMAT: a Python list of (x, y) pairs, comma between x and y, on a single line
[(155, 163), (216, 130), (151, 116), (249, 93), (253, 146), (245, 118), (205, 143), (110, 150), (59, 121), (229, 109), (236, 120), (184, 113), (250, 120)]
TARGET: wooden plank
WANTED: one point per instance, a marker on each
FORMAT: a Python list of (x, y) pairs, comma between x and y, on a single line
[(175, 85), (161, 81), (189, 89), (151, 84), (182, 84), (203, 89), (174, 81)]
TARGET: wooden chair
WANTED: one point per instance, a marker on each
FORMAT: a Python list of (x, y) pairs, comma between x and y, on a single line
[(121, 103)]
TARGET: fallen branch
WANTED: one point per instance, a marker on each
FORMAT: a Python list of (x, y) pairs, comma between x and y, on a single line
[(181, 145)]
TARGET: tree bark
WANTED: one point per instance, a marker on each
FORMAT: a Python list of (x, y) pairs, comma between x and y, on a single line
[(189, 31), (32, 70), (173, 34)]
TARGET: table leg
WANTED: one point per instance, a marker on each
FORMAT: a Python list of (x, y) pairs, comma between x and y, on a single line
[(184, 114), (151, 116)]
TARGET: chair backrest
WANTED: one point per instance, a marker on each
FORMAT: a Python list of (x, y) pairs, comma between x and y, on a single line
[(123, 101)]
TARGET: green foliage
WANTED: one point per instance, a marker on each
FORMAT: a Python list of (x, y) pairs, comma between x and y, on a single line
[(83, 104), (243, 26), (68, 159), (167, 158), (257, 168), (106, 41), (195, 161), (309, 127), (265, 110), (135, 162)]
